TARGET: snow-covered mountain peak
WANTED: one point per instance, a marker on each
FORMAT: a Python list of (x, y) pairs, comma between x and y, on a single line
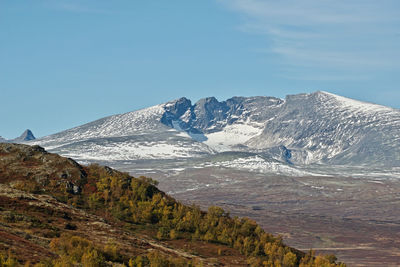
[(301, 129), (325, 127), (320, 100), (356, 105)]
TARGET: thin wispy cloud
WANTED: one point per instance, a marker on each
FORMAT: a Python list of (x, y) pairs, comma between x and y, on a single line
[(346, 35)]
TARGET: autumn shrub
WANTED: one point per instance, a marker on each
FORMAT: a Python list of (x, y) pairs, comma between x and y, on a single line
[(138, 201), (8, 259), (30, 186), (75, 250)]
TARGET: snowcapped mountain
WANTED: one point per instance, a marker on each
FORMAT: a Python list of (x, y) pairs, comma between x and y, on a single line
[(301, 129), (223, 126), (130, 136), (323, 127)]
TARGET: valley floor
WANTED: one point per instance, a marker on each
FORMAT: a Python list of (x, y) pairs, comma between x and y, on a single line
[(356, 219)]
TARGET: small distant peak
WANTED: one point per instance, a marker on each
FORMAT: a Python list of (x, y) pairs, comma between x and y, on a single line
[(27, 136)]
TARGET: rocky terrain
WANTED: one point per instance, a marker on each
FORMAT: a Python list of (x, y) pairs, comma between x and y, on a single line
[(58, 213)]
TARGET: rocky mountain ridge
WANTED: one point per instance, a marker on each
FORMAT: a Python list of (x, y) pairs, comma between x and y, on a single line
[(301, 129)]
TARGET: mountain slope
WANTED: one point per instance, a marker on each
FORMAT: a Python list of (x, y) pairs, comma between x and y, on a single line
[(301, 129), (334, 129), (63, 214), (133, 135)]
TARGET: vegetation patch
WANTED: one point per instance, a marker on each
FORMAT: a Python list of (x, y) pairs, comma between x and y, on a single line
[(128, 208)]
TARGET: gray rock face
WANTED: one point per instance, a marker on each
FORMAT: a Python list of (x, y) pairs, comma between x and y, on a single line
[(208, 115), (209, 112), (177, 109)]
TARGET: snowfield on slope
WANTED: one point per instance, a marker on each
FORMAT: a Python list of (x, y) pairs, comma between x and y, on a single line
[(310, 128)]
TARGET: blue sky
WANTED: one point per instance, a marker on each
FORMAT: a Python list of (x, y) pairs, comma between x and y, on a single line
[(64, 63)]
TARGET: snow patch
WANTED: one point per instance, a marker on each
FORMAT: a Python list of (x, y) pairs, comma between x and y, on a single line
[(231, 135), (258, 164)]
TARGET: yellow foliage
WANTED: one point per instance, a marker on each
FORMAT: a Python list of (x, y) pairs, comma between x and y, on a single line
[(8, 260), (290, 259)]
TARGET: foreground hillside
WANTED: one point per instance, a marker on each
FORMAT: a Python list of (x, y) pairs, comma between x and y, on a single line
[(55, 212)]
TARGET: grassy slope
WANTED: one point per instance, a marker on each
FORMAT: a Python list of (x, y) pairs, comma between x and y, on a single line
[(47, 201)]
